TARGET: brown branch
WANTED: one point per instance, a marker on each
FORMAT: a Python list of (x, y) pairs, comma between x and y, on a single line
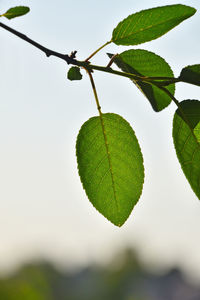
[(48, 52), (71, 59)]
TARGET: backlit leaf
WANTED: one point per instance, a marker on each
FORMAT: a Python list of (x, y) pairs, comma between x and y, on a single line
[(110, 166), (16, 12), (187, 141), (191, 74), (145, 63), (150, 24)]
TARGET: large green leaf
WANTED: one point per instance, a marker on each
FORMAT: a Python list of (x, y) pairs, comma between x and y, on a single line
[(16, 11), (150, 24), (110, 166), (145, 63), (191, 74), (186, 135)]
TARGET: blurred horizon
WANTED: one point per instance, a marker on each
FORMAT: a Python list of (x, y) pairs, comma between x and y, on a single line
[(123, 277)]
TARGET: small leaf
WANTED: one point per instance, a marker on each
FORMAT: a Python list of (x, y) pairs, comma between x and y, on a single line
[(148, 64), (191, 74), (110, 166), (16, 12), (74, 73), (187, 141), (150, 24)]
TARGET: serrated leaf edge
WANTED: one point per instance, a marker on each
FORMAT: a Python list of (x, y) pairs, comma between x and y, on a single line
[(120, 23), (119, 225)]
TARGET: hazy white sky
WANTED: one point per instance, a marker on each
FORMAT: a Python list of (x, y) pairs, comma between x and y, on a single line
[(43, 208)]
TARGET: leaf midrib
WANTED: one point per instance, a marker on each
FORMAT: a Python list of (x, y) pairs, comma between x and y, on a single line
[(109, 160)]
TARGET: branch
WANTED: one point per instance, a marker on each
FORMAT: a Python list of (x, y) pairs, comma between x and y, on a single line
[(70, 59), (47, 51)]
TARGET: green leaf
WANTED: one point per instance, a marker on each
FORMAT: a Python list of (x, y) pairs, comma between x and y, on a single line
[(110, 166), (191, 74), (148, 64), (16, 11), (187, 141), (74, 73), (150, 24)]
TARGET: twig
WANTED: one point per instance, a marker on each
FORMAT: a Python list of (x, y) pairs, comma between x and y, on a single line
[(47, 51)]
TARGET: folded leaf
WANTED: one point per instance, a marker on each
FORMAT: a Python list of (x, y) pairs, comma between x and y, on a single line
[(110, 166), (191, 74), (145, 63), (74, 73), (150, 24), (186, 136), (16, 12)]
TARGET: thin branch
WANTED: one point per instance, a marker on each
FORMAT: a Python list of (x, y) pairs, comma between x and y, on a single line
[(70, 59), (47, 51)]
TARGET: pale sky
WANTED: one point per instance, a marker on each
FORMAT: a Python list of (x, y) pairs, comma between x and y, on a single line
[(44, 211)]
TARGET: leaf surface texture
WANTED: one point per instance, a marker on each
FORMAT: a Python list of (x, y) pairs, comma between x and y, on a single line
[(187, 141), (147, 64), (191, 74), (149, 24), (110, 165)]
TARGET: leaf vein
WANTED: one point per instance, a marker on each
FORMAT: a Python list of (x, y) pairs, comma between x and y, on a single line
[(147, 28)]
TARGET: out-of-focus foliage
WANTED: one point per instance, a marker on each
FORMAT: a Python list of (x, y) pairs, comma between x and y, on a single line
[(124, 280), (31, 282)]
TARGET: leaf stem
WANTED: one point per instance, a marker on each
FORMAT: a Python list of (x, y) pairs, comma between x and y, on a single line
[(150, 80), (104, 135), (163, 81), (169, 94), (162, 78), (115, 72), (95, 92), (95, 52)]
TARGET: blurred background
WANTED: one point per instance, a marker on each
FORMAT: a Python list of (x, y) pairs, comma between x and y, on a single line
[(52, 240)]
